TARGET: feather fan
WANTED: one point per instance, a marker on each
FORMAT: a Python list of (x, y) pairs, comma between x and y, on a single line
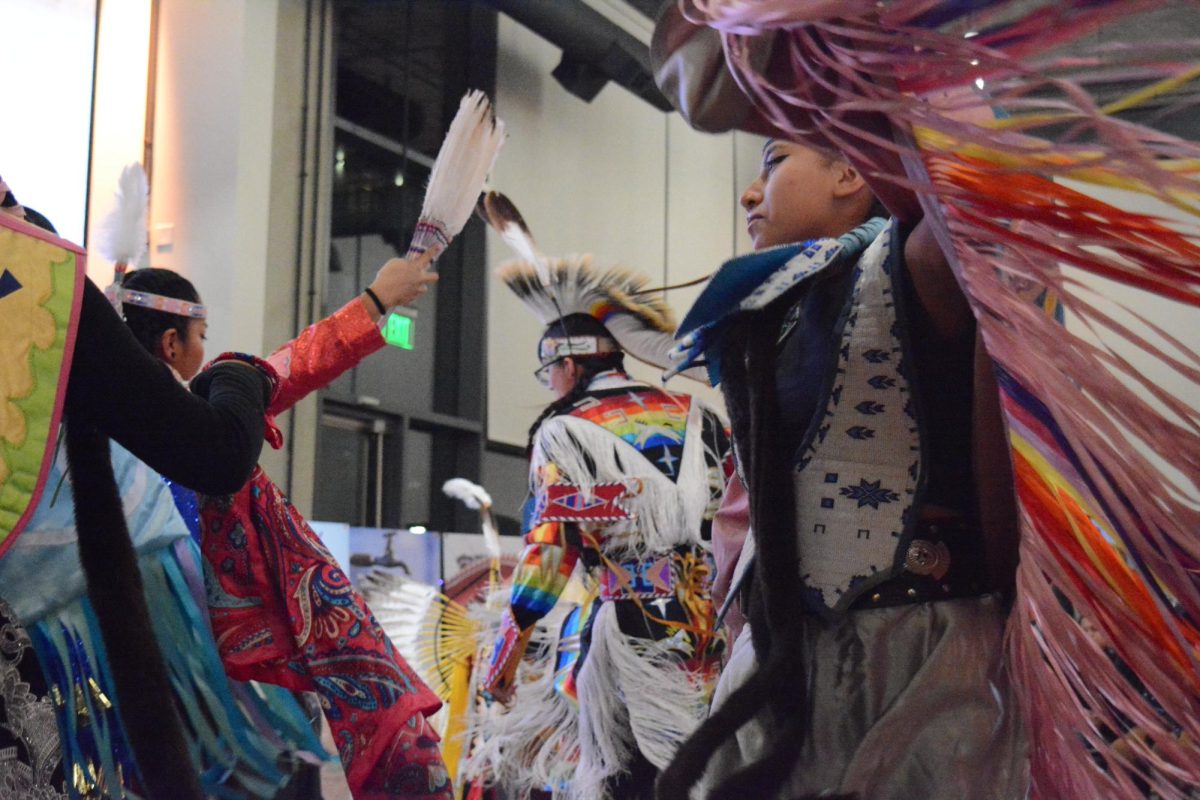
[(122, 238), (463, 163)]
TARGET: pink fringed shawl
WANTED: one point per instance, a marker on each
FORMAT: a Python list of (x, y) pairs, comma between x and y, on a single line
[(989, 110)]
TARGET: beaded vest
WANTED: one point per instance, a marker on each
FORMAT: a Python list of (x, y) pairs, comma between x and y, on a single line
[(859, 467)]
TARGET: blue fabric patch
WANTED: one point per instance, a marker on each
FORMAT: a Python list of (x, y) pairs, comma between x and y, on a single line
[(8, 284), (740, 277), (733, 282)]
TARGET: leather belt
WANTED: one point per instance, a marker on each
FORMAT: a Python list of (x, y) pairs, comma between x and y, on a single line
[(944, 561)]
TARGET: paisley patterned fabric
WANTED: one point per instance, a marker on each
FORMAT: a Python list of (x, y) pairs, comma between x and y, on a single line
[(284, 612)]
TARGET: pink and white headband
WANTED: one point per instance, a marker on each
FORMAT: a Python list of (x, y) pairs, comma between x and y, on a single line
[(118, 295)]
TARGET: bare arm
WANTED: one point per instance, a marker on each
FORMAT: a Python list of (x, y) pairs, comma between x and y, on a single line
[(936, 287), (994, 476)]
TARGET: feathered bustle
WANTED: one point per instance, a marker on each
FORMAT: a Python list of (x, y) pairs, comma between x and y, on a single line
[(122, 238), (463, 163), (429, 629)]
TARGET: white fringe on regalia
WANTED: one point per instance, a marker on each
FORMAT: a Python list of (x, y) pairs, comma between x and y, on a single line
[(534, 742)]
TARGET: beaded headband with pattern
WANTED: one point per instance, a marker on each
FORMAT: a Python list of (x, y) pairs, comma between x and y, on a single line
[(552, 348), (119, 296), (157, 302)]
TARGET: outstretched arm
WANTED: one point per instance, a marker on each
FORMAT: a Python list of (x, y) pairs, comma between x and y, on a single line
[(326, 349)]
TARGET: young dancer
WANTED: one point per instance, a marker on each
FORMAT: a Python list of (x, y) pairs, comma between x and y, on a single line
[(282, 610), (624, 477)]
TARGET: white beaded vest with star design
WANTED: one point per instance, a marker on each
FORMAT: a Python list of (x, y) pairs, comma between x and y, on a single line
[(857, 478)]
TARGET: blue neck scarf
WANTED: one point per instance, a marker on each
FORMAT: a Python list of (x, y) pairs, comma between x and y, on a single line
[(750, 282)]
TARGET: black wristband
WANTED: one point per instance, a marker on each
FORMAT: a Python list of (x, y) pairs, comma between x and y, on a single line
[(375, 298)]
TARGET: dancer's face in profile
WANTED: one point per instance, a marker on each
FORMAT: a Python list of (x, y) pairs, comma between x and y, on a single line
[(561, 377), (800, 193), (185, 353)]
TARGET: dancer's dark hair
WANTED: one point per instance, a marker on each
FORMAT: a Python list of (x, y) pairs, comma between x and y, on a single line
[(114, 584), (147, 324), (775, 688), (590, 366)]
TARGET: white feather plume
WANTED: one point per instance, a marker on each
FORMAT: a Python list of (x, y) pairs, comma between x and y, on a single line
[(471, 494), (476, 497), (122, 238), (463, 163)]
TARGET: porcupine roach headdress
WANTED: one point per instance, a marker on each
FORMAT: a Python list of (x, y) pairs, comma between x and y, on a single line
[(1106, 455), (600, 311)]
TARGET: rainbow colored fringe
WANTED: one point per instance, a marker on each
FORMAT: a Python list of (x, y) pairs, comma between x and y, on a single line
[(1004, 118)]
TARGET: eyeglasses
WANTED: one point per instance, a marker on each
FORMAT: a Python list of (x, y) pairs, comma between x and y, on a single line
[(542, 373)]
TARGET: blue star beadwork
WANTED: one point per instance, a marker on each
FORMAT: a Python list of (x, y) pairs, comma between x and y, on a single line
[(869, 493)]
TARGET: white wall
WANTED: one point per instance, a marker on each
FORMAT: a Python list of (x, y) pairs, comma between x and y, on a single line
[(225, 196), (46, 106), (212, 155), (614, 177), (119, 121)]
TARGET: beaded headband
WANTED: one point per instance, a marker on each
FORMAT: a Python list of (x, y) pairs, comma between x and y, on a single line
[(552, 348), (118, 296), (168, 305)]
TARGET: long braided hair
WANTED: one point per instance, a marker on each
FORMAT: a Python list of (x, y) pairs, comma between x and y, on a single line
[(748, 362), (115, 589)]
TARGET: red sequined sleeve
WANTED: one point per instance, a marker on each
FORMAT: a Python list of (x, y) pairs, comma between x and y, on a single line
[(322, 352)]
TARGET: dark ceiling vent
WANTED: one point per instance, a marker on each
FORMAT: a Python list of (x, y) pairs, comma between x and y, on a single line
[(595, 50)]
